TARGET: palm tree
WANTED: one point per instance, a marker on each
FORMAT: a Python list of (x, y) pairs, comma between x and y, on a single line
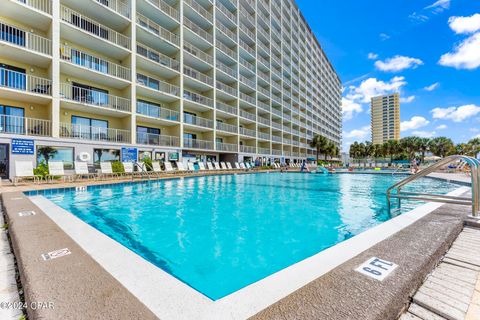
[(47, 152), (392, 148), (475, 145), (319, 143), (331, 150), (423, 147), (464, 149), (441, 146), (410, 146)]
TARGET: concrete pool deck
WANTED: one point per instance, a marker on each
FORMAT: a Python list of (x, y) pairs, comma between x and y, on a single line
[(434, 233)]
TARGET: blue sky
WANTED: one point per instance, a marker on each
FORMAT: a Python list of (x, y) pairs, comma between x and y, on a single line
[(428, 50)]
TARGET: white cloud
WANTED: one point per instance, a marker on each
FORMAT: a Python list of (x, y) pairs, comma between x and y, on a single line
[(465, 25), (416, 17), (442, 127), (414, 123), (372, 87), (432, 87), (407, 99), (349, 108), (439, 6), (398, 63), (384, 36), (457, 114), (359, 134), (372, 56), (424, 134)]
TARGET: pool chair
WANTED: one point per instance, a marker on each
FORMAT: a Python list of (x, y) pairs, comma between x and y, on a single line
[(181, 167), (210, 166), (191, 167), (81, 171), (229, 166), (24, 171), (223, 165), (156, 169), (129, 170), (55, 169), (242, 166), (237, 166), (217, 167), (107, 171), (201, 166), (168, 167)]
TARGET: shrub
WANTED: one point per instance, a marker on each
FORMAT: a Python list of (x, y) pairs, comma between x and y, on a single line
[(148, 163), (41, 170), (117, 167)]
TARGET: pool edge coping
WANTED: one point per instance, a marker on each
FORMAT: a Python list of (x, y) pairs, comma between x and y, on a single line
[(245, 302)]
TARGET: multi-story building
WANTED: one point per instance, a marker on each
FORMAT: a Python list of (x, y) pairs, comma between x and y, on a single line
[(385, 118), (174, 79)]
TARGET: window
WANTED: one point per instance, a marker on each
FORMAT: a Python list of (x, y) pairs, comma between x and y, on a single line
[(89, 61), (189, 117), (12, 119), (90, 95), (100, 155), (148, 135), (12, 35), (88, 128), (48, 153), (12, 77), (142, 155)]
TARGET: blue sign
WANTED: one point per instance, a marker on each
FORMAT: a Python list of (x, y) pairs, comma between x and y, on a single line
[(129, 154), (23, 146)]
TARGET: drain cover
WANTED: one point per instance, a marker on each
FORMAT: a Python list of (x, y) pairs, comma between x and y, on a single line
[(26, 213), (56, 254)]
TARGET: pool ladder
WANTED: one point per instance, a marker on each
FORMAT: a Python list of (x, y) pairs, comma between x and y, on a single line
[(142, 170), (475, 177)]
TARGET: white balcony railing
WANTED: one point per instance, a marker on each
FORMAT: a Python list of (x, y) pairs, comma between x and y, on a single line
[(166, 8), (263, 135), (25, 82), (247, 115), (197, 30), (247, 149), (226, 147), (25, 126), (155, 111), (221, 8), (199, 9), (157, 57), (226, 69), (197, 121), (196, 52), (247, 98), (198, 98), (25, 39), (93, 63), (157, 30), (195, 74), (226, 127), (226, 50), (94, 98), (81, 132), (93, 27), (157, 140), (118, 6), (226, 108), (197, 144), (158, 85), (247, 132), (263, 150), (226, 88), (42, 5)]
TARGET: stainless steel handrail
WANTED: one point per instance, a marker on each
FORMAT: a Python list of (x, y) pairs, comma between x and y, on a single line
[(475, 180), (142, 170)]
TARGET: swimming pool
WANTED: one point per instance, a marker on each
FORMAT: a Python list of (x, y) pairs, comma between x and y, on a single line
[(219, 234)]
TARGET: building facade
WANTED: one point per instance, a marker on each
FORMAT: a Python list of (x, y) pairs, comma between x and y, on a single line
[(385, 118), (170, 79)]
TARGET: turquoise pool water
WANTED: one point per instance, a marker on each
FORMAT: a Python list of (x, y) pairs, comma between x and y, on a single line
[(221, 233)]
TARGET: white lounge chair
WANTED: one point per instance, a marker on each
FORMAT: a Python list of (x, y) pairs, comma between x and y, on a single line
[(191, 166), (55, 169), (237, 166), (24, 170), (107, 171), (242, 165), (169, 167), (81, 170), (130, 170), (223, 165), (156, 169), (201, 165), (217, 166), (210, 166), (229, 166), (181, 167)]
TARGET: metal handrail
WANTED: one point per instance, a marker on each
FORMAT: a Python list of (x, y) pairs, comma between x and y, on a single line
[(475, 176), (142, 170)]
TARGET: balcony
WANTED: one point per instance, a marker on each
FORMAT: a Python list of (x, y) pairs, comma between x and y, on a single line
[(198, 31), (157, 88), (247, 115), (25, 126), (162, 64), (249, 83), (154, 29), (263, 136), (36, 13), (227, 127), (232, 55), (276, 139), (264, 151), (264, 121), (164, 8), (227, 89), (276, 152), (245, 97), (81, 29), (118, 6), (24, 46), (199, 76), (103, 70), (80, 132), (227, 13), (248, 65), (227, 70), (193, 51), (201, 11), (197, 121), (198, 99), (157, 140), (79, 97), (157, 112), (226, 147), (41, 5), (227, 108), (12, 83), (247, 149), (197, 144), (247, 132)]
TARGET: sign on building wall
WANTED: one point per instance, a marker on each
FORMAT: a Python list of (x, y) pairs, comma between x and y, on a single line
[(23, 146), (129, 154), (173, 156)]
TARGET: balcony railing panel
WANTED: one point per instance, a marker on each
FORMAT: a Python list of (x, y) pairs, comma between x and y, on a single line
[(166, 8), (157, 140), (25, 39), (94, 98), (195, 74), (154, 111), (93, 27), (196, 52), (25, 126), (81, 132), (25, 82), (197, 121), (42, 5), (227, 147), (157, 30), (197, 30), (227, 108), (198, 98), (199, 9), (157, 57), (88, 61), (118, 6), (247, 149), (247, 132), (197, 144), (226, 127), (247, 115), (226, 88), (158, 85)]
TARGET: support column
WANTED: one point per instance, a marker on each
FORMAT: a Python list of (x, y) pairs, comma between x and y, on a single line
[(55, 68), (133, 71)]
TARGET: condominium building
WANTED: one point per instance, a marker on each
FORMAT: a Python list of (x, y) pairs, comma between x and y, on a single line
[(193, 80), (385, 118)]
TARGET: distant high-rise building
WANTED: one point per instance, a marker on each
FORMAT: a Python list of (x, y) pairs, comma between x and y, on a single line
[(385, 118)]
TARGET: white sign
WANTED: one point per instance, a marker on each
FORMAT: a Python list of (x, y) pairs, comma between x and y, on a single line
[(56, 254), (26, 213), (376, 268), (81, 188)]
